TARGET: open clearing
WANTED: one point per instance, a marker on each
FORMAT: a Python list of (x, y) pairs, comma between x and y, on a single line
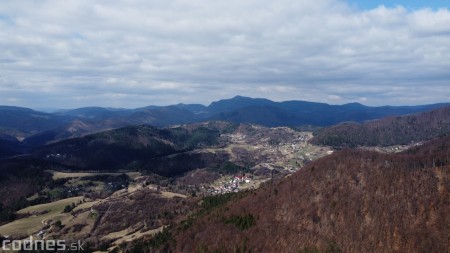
[(59, 175), (33, 224), (125, 236), (170, 195)]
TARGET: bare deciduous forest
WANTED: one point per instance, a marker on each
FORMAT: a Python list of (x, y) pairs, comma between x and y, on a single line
[(388, 131), (351, 201)]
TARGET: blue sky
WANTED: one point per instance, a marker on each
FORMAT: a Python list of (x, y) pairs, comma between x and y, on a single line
[(133, 53), (408, 4)]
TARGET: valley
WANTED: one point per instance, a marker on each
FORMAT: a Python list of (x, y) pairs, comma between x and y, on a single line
[(224, 126), (240, 157), (192, 186)]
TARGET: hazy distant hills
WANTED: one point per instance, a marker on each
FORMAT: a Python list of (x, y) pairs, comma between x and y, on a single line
[(351, 201), (293, 113), (261, 115), (162, 116), (17, 121), (388, 131), (95, 112), (197, 109), (41, 128)]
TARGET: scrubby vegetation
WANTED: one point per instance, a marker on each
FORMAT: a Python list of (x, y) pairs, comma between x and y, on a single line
[(212, 202), (69, 208), (242, 222), (332, 247), (21, 178)]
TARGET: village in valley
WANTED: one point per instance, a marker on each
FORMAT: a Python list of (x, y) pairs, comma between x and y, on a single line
[(257, 154), (235, 184), (90, 201), (262, 153)]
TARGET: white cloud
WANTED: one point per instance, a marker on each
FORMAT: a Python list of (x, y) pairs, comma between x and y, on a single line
[(139, 52), (334, 98)]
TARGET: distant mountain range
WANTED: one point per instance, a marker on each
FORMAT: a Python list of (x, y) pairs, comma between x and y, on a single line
[(39, 128)]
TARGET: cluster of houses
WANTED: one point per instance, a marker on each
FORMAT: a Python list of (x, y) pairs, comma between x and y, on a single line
[(73, 191), (304, 138), (80, 189), (233, 185), (393, 149), (116, 185)]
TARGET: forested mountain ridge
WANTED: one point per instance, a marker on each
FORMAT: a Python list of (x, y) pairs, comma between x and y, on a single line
[(399, 130), (294, 113), (125, 148)]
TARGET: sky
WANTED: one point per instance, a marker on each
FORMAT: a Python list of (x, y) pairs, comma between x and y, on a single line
[(133, 53), (408, 4)]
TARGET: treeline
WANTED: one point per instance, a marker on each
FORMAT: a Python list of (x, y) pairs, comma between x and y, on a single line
[(388, 131), (19, 179), (228, 168)]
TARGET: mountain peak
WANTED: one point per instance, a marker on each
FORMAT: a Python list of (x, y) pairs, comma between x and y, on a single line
[(354, 105), (236, 102), (240, 97)]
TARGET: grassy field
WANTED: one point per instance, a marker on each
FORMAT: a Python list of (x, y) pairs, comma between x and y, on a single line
[(32, 224), (59, 175), (170, 195), (125, 236), (85, 205)]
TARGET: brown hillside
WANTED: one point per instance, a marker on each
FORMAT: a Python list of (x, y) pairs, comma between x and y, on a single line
[(351, 201), (388, 131)]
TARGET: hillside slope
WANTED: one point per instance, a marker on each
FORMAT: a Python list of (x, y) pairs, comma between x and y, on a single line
[(351, 201), (10, 146), (398, 130), (134, 146)]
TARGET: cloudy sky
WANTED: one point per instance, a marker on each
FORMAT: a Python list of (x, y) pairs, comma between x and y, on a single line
[(132, 53)]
